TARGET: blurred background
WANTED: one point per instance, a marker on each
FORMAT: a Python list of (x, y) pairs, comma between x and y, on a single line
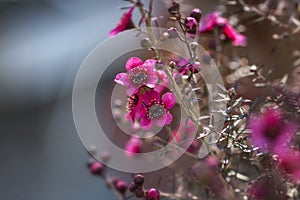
[(42, 46)]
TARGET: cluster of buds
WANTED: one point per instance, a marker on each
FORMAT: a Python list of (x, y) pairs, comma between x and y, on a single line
[(137, 187)]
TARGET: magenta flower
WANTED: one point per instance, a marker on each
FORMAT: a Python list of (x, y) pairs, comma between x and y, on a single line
[(184, 65), (133, 146), (231, 34), (289, 163), (124, 23), (212, 20), (137, 76), (267, 187), (134, 106), (209, 22), (270, 132), (157, 110)]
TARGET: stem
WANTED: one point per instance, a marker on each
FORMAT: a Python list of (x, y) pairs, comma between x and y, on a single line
[(177, 147), (179, 97)]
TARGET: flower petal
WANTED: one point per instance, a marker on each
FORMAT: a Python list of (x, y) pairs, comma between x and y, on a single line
[(150, 62), (130, 117), (169, 118), (240, 40), (123, 23), (169, 100), (152, 81), (133, 62), (150, 95), (209, 22), (132, 89), (146, 123), (122, 78), (162, 120)]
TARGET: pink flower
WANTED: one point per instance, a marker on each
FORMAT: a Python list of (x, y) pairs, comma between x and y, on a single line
[(157, 110), (270, 132), (137, 75), (133, 146), (289, 162), (231, 34), (209, 22), (213, 20), (124, 23), (134, 106), (184, 65), (267, 187)]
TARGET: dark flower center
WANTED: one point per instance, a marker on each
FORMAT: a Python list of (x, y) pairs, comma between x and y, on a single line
[(139, 78), (138, 75), (132, 102), (273, 132), (156, 111)]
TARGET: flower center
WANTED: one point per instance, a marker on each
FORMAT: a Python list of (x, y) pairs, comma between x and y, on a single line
[(156, 111), (272, 133), (138, 76)]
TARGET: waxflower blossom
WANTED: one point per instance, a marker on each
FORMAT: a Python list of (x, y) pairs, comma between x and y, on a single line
[(134, 105), (213, 20), (124, 23), (289, 163), (231, 34), (133, 146), (209, 22), (270, 132), (157, 109), (184, 66), (137, 76), (267, 187)]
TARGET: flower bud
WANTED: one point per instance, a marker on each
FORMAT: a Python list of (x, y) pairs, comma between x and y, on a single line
[(96, 168), (174, 9), (196, 13), (152, 194), (121, 187), (173, 33), (190, 24), (172, 64), (139, 180), (140, 193), (133, 187), (146, 43)]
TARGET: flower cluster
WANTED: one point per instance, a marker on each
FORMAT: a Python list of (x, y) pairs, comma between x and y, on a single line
[(146, 104), (215, 21), (137, 187)]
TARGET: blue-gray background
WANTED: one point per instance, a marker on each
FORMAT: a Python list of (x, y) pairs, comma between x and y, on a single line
[(42, 44)]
